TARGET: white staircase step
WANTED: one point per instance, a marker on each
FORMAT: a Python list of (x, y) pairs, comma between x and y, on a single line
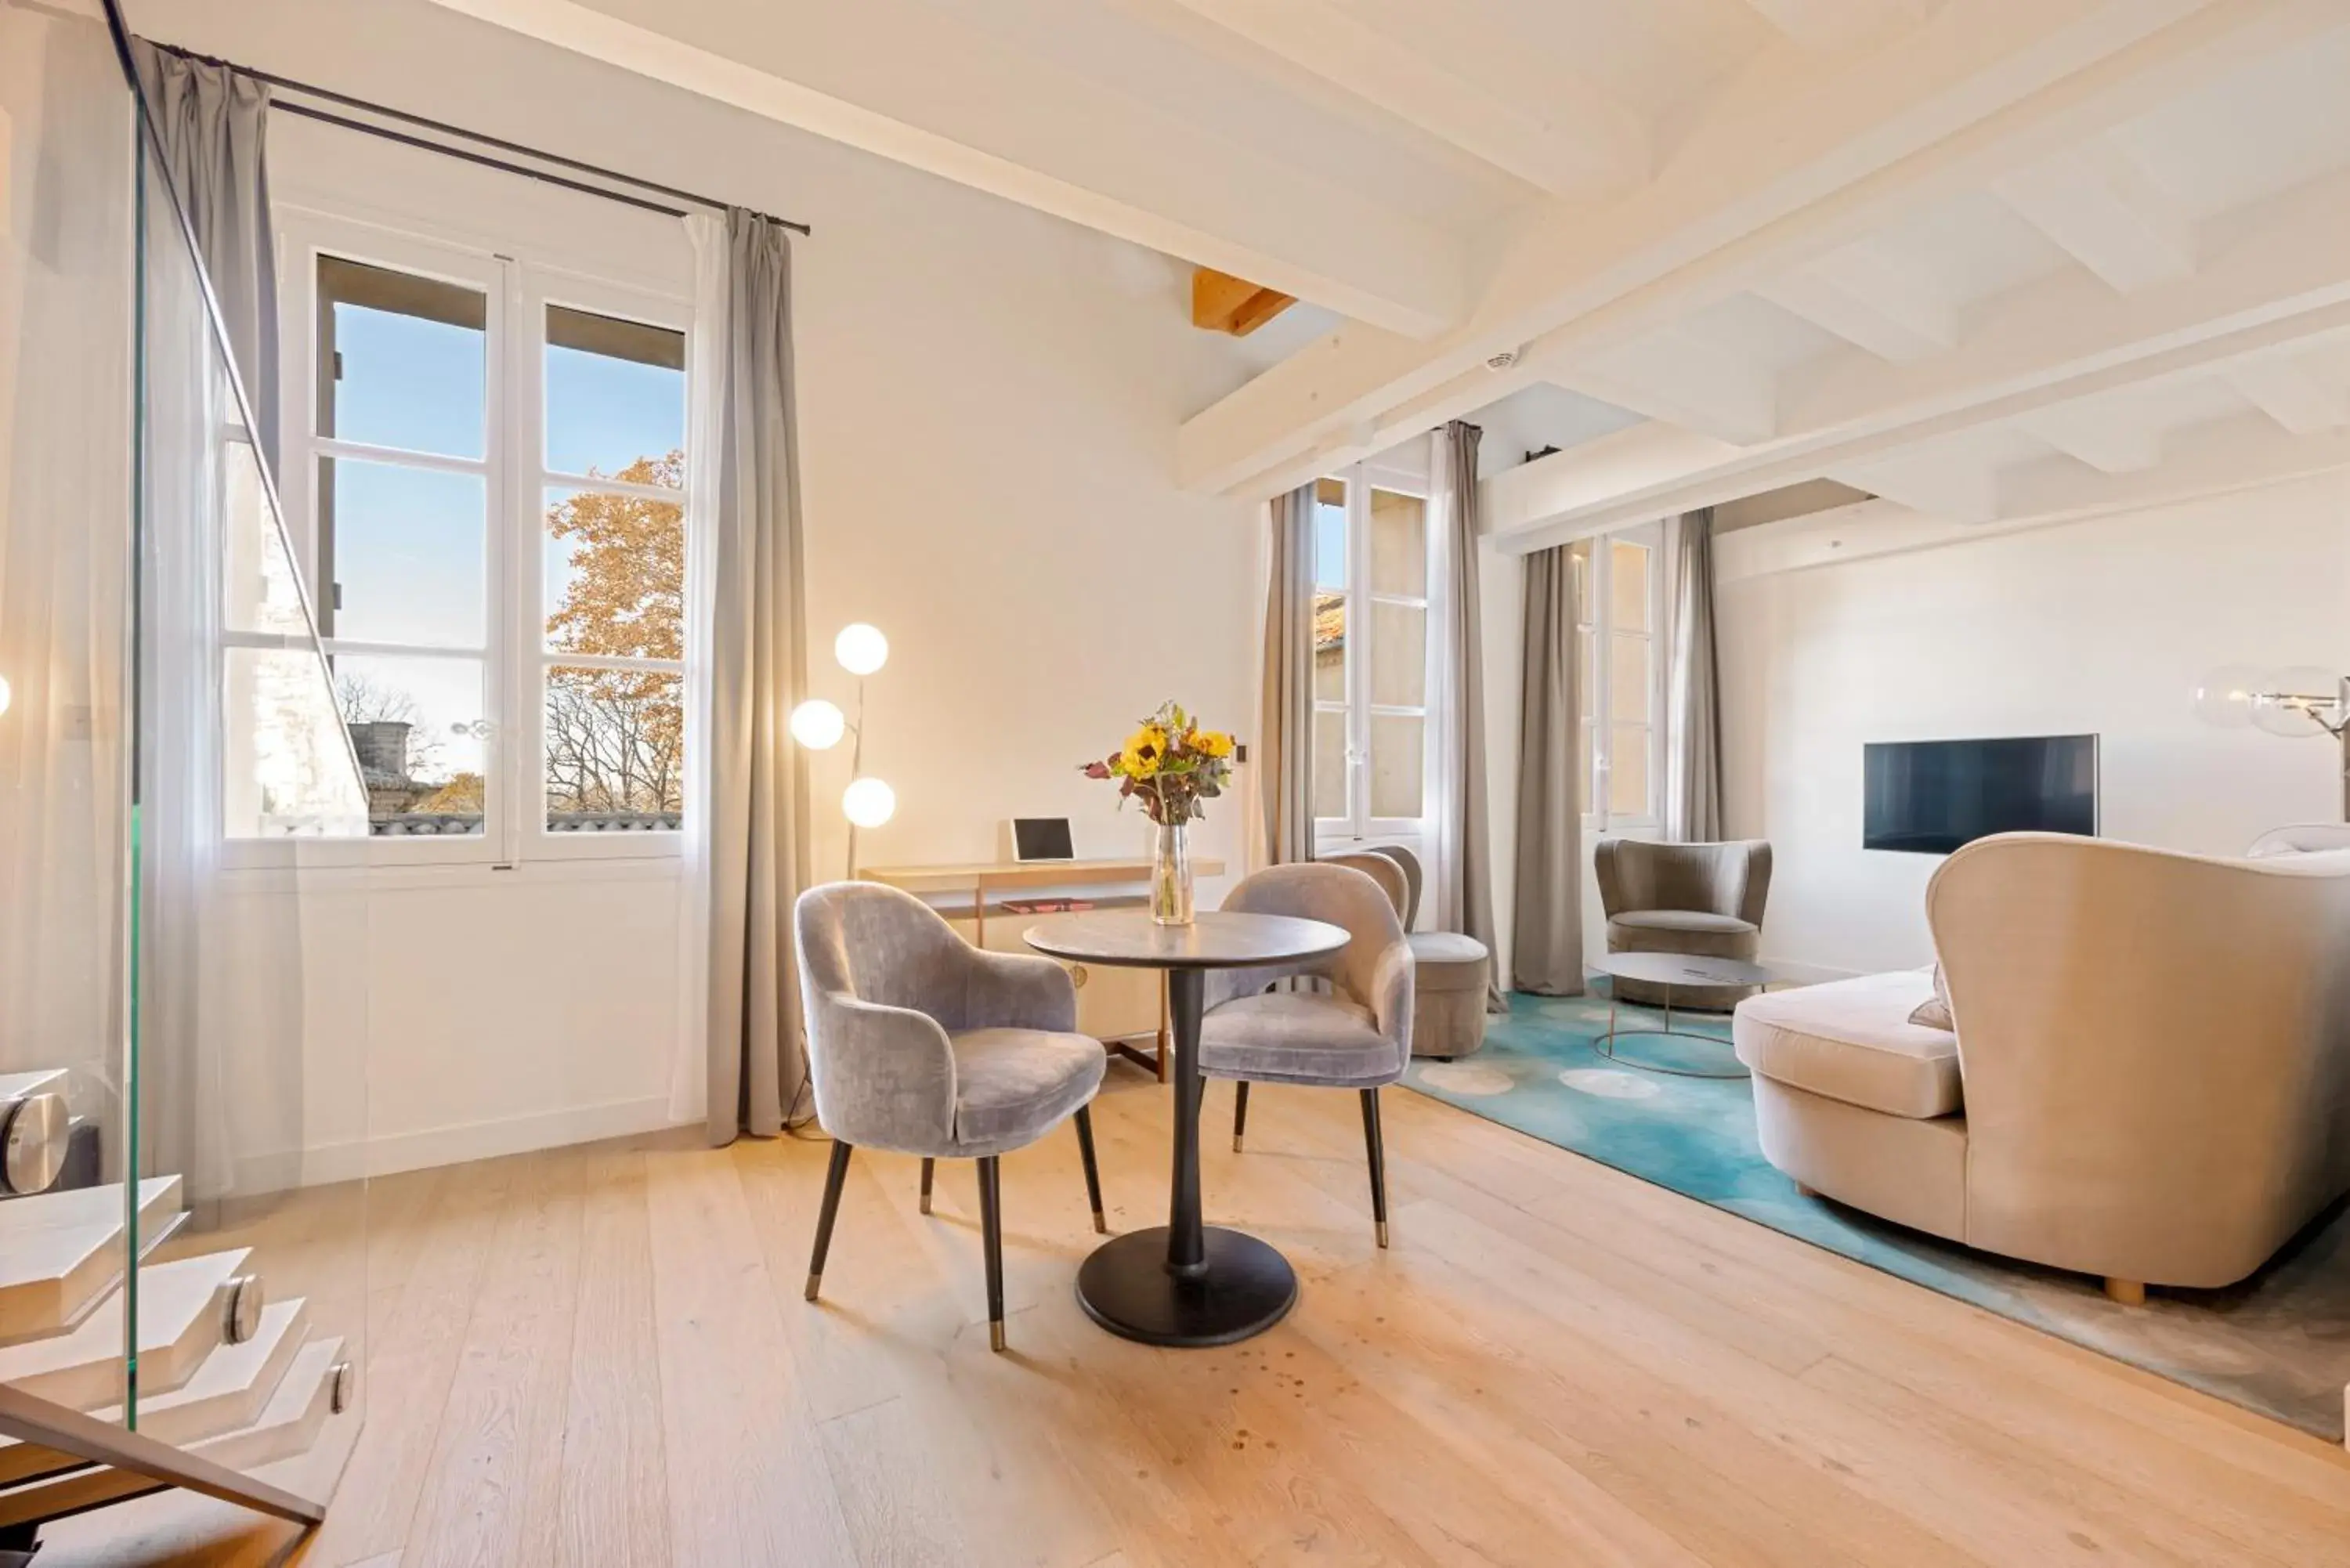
[(17, 1085), (60, 1250), (180, 1307), (289, 1423), (229, 1390)]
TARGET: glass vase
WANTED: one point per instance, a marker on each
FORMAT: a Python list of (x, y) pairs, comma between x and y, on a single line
[(1170, 875)]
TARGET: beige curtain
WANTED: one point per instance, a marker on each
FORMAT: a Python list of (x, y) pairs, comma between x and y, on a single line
[(750, 846), (1285, 746), (1692, 709), (1464, 855), (1546, 936)]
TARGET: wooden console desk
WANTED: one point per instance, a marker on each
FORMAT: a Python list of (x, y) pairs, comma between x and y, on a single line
[(984, 882)]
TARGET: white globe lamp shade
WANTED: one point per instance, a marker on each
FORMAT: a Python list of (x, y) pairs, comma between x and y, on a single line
[(2227, 697), (819, 726), (2295, 701), (861, 648), (869, 803)]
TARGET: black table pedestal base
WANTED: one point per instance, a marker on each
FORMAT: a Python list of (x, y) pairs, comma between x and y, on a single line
[(1246, 1288)]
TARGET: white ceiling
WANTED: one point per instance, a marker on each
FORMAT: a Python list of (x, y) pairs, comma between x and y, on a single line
[(1981, 257)]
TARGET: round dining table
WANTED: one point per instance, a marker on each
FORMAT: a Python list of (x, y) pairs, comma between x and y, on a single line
[(1185, 1283)]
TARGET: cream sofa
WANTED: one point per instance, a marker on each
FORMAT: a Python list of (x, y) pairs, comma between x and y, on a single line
[(2150, 1076)]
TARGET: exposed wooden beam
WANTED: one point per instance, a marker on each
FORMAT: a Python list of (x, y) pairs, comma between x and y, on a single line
[(1680, 377), (1788, 168), (2095, 205), (1577, 141), (1952, 485), (1222, 303), (974, 108)]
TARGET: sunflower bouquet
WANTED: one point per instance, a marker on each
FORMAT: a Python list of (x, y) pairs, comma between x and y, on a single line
[(1170, 765)]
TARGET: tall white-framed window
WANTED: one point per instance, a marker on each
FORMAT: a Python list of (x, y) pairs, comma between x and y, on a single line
[(1372, 655), (485, 471), (1619, 602)]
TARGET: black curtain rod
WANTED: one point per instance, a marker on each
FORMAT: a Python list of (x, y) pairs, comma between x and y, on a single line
[(519, 149)]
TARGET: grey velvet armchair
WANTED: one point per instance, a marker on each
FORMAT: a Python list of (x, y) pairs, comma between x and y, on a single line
[(922, 1044), (1356, 1035), (1700, 898)]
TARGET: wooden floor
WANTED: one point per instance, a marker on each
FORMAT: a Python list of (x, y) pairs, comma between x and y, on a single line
[(600, 1356)]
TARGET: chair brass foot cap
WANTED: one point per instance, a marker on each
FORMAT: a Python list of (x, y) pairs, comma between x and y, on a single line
[(1237, 1143), (926, 1203), (995, 1333), (2129, 1293), (1101, 1225), (1382, 1226), (814, 1280)]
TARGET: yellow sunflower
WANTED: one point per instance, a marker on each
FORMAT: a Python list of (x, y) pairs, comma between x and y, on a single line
[(1212, 742), (1143, 752)]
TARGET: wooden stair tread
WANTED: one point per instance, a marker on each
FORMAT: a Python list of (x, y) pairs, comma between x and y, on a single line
[(179, 1320)]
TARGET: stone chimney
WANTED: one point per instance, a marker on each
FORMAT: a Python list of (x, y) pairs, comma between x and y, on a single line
[(382, 748)]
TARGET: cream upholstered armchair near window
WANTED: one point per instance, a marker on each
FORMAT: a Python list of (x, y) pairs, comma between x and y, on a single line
[(2147, 1077), (1704, 900)]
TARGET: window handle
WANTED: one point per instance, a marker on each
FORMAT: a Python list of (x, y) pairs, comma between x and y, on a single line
[(480, 729)]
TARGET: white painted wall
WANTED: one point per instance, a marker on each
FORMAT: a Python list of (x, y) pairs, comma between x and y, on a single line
[(2101, 625), (988, 406)]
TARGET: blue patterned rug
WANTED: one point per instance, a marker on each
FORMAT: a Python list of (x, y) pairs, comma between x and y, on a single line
[(2278, 1343)]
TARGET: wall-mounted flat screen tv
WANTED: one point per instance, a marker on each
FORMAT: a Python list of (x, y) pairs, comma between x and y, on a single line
[(1928, 797)]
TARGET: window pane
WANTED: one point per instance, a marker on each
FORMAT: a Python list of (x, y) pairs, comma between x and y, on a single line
[(1628, 586), (615, 750), (283, 771), (1578, 561), (615, 398), (402, 360), (1329, 648), (615, 570), (419, 726), (406, 550), (1627, 772), (1399, 655), (1627, 681), (1398, 544), (1586, 674), (1396, 758), (1584, 763), (1330, 537), (1329, 764)]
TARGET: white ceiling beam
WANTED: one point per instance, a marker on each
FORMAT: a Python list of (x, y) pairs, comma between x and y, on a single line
[(1788, 167), (2284, 277), (971, 107), (1579, 141), (1862, 296), (2289, 393), (2099, 209), (2112, 438), (1555, 499), (1679, 376), (1839, 24), (1941, 484)]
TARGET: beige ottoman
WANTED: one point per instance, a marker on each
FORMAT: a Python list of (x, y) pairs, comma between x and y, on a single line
[(1449, 985)]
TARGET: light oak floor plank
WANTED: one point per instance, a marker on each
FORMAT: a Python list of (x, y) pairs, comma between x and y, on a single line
[(601, 1357)]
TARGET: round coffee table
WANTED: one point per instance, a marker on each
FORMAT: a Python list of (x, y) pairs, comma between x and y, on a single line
[(1183, 1283), (1669, 969)]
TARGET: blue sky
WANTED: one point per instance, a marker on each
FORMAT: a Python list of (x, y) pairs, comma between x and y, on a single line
[(412, 543)]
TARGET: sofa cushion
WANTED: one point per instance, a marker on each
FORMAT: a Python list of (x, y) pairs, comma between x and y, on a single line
[(1294, 1037), (1682, 920), (1012, 1084), (1447, 961), (1852, 1041)]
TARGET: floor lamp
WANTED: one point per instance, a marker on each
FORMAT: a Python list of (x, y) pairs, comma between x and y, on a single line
[(819, 726), (2306, 700)]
